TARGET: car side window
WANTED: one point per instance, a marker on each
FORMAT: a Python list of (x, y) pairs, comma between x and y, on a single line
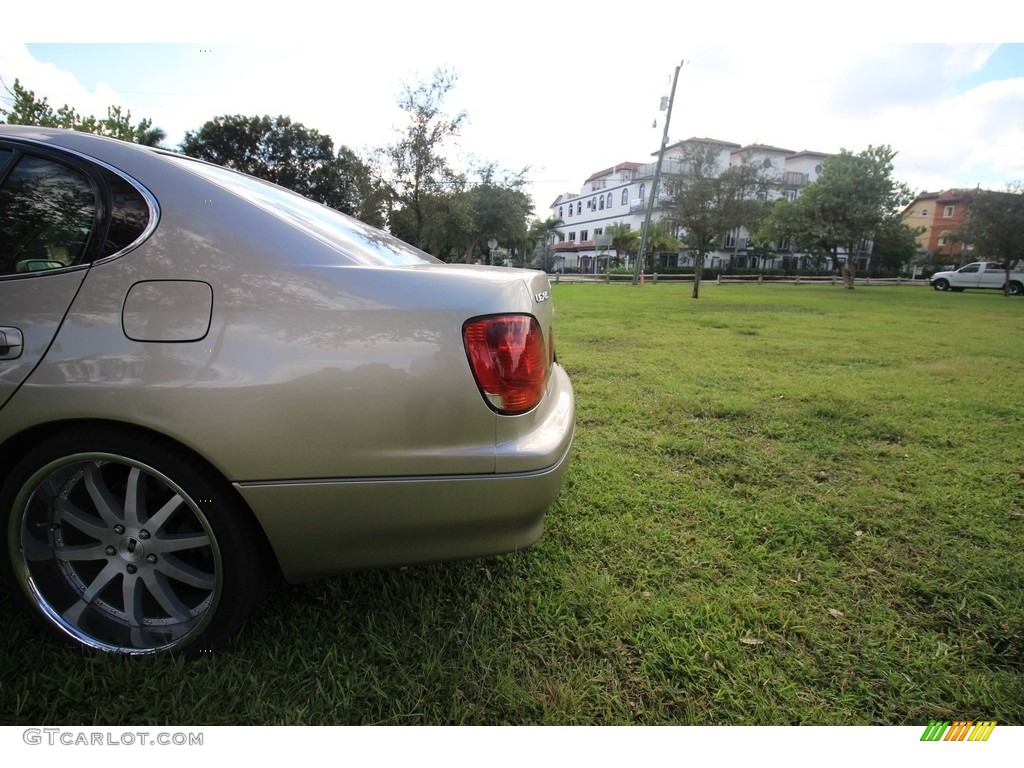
[(129, 214), (47, 214)]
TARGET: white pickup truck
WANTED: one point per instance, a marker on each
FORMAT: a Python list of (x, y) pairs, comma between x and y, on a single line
[(980, 274)]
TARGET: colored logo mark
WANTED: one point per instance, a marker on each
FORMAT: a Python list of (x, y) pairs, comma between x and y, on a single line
[(961, 730)]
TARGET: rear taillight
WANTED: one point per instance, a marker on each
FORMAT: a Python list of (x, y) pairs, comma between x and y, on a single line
[(509, 360)]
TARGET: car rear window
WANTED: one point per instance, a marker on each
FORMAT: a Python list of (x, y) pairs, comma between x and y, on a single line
[(364, 244), (129, 214)]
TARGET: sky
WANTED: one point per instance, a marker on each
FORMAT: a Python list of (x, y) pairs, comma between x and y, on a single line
[(562, 89)]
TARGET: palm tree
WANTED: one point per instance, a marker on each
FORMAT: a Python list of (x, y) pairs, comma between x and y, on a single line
[(150, 136), (540, 235), (661, 238), (624, 240)]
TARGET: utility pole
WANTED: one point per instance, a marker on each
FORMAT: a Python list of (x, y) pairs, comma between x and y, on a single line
[(642, 256)]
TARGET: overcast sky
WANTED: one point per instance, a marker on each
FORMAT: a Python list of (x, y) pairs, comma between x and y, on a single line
[(564, 88)]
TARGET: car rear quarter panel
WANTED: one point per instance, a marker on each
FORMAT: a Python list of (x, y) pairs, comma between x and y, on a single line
[(310, 368)]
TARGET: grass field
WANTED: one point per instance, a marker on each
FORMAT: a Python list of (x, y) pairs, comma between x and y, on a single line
[(787, 505)]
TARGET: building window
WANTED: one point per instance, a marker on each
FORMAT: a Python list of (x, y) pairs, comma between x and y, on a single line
[(643, 191), (625, 197), (570, 210), (579, 208), (572, 237), (600, 203), (948, 213), (792, 195), (609, 200), (560, 214), (924, 213), (598, 231), (583, 235), (729, 239)]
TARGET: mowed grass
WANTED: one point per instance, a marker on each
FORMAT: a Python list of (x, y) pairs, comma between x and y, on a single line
[(787, 505)]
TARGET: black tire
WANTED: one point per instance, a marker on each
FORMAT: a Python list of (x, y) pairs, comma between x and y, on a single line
[(941, 285), (1016, 289), (124, 542)]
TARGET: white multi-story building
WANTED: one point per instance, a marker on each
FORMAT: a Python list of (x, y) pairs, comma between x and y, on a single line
[(620, 195)]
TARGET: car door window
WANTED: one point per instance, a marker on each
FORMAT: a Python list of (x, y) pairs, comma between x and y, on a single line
[(47, 214)]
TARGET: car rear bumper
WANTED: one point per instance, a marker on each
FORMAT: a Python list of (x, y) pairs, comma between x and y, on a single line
[(325, 526)]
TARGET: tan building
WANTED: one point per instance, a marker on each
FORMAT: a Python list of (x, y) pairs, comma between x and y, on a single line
[(942, 216)]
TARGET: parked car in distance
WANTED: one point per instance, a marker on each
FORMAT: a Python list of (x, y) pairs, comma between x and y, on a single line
[(207, 381), (980, 274)]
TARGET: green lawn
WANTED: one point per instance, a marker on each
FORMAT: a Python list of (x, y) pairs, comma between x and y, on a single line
[(787, 505)]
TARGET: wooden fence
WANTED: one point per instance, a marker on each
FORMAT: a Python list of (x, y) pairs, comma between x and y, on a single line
[(654, 277)]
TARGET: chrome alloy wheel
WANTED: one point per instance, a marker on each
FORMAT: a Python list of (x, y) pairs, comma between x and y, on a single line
[(115, 554)]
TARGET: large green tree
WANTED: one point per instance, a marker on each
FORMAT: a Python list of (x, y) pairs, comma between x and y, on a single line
[(417, 165), (458, 223), (289, 154), (707, 200), (995, 226), (28, 109), (447, 212), (853, 199), (499, 208)]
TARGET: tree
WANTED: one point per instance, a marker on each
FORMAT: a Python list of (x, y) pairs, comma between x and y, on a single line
[(499, 210), (995, 225), (625, 240), (708, 201), (894, 245), (27, 109), (291, 155), (660, 238), (852, 199), (540, 235), (417, 165)]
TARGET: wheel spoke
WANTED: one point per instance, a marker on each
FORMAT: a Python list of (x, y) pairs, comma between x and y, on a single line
[(132, 592), (110, 572), (160, 589), (176, 542), (174, 568), (81, 552), (135, 497), (107, 507), (83, 521), (73, 615), (162, 515)]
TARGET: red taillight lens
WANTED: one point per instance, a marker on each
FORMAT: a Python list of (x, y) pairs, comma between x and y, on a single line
[(509, 360)]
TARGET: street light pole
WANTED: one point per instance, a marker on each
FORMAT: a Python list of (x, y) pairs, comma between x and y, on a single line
[(639, 267)]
